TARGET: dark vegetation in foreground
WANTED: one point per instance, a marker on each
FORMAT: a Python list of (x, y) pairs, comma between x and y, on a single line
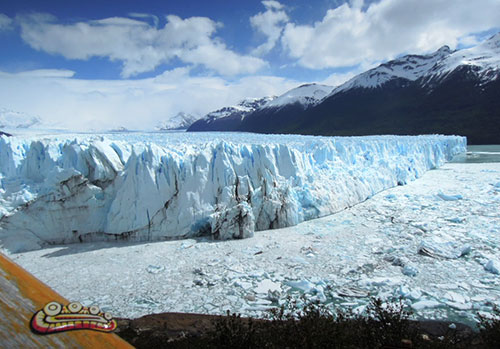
[(382, 326)]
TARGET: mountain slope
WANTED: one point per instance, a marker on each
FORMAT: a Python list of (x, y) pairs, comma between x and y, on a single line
[(229, 118), (455, 106), (181, 121), (293, 102), (450, 92)]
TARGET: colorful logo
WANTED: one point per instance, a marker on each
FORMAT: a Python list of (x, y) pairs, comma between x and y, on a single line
[(55, 317)]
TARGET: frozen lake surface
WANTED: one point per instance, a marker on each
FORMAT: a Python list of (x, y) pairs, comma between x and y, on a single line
[(434, 241), (480, 154)]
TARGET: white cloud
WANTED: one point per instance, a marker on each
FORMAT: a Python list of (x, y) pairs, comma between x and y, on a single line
[(269, 23), (353, 33), (337, 79), (5, 22), (77, 104), (273, 5), (47, 73), (469, 41), (140, 46), (146, 16)]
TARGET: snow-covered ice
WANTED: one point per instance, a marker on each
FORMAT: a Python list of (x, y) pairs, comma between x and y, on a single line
[(147, 187), (342, 259)]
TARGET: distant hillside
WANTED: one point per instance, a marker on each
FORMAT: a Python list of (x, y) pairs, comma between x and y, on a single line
[(10, 119), (229, 118), (181, 121), (449, 92)]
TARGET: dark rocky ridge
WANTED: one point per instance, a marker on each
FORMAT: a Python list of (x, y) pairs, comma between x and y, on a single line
[(411, 95)]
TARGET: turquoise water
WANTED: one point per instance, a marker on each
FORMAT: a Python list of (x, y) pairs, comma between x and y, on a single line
[(479, 154)]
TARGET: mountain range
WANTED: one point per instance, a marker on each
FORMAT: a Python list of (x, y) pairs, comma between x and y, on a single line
[(447, 92), (180, 121), (10, 119)]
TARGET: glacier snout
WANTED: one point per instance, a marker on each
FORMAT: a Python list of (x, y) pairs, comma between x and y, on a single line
[(56, 191)]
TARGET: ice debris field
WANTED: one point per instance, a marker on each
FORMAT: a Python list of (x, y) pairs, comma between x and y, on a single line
[(433, 241)]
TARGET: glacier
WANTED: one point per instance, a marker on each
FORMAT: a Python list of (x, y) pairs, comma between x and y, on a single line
[(63, 188)]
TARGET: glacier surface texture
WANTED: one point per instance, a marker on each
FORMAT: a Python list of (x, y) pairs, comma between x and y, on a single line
[(143, 187)]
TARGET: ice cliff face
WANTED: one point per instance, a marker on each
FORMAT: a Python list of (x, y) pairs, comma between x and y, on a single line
[(128, 187)]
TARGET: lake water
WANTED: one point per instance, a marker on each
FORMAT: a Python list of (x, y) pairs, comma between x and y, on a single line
[(479, 154)]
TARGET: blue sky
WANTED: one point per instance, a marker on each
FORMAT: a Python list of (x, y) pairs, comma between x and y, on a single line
[(104, 64)]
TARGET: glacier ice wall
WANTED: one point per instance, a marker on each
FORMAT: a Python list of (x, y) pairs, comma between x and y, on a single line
[(143, 187)]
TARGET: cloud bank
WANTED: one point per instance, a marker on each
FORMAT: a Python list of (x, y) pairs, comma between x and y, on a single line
[(64, 101), (140, 46), (269, 23), (353, 34)]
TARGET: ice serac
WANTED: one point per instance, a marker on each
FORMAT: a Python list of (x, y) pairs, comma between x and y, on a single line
[(128, 187)]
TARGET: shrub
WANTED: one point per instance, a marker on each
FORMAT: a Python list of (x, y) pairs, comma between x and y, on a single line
[(489, 328)]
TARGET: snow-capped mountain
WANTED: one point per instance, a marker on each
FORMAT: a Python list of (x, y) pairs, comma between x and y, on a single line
[(10, 119), (223, 119), (484, 59), (181, 121), (306, 95), (232, 118), (243, 108), (410, 67), (449, 92)]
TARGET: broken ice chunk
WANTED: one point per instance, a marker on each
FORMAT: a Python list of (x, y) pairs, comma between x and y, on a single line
[(390, 197), (456, 220), (406, 292), (456, 297), (303, 285), (449, 250), (409, 270), (198, 271), (425, 304), (267, 285), (397, 261), (493, 266), (459, 306), (382, 281), (243, 284), (154, 269), (350, 291), (449, 197)]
